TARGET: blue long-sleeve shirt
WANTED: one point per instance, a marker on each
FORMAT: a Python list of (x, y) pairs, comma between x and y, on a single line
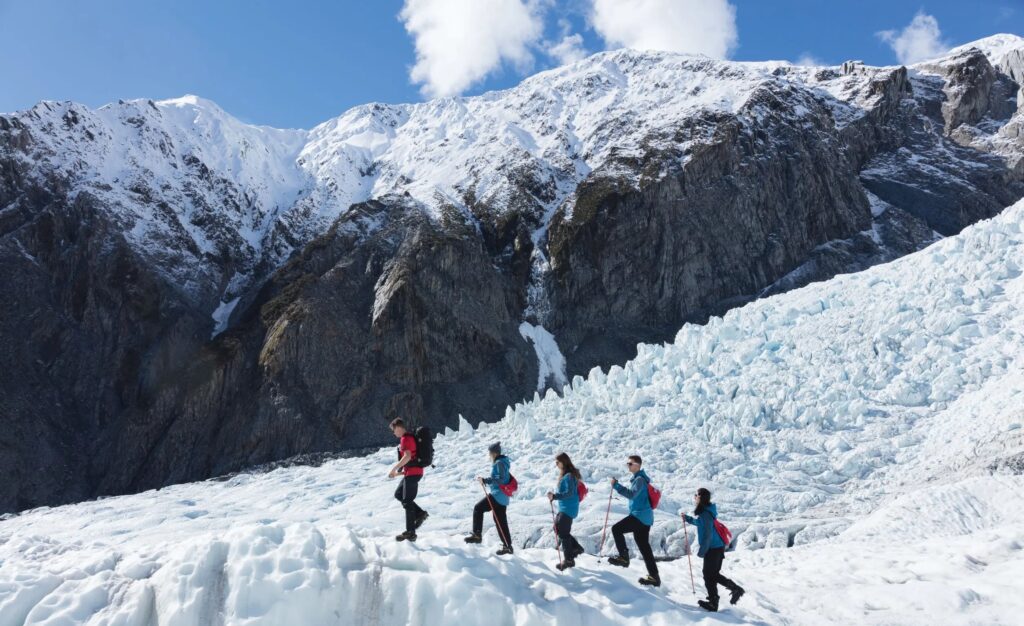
[(568, 496), (500, 475), (707, 536), (639, 501)]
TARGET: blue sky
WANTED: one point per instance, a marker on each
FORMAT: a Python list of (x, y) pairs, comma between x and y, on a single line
[(298, 63)]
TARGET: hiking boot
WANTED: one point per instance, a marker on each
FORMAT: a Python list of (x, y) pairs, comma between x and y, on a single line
[(735, 595), (474, 538), (566, 564), (619, 561), (421, 519), (650, 581), (504, 550), (406, 536), (709, 605)]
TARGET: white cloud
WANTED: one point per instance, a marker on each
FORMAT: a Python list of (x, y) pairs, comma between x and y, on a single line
[(810, 60), (919, 41), (569, 50), (459, 42), (698, 26)]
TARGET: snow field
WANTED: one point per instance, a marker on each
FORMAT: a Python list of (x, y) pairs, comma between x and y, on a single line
[(857, 420)]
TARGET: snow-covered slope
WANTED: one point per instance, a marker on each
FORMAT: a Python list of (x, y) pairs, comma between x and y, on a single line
[(873, 423), (998, 48), (185, 181)]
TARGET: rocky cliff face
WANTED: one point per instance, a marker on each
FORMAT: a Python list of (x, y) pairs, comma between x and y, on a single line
[(189, 295)]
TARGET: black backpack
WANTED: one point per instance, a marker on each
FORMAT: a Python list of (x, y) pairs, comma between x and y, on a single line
[(424, 448)]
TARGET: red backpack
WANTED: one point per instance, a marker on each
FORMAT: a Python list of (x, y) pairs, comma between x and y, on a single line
[(581, 490), (724, 533), (511, 487), (654, 495)]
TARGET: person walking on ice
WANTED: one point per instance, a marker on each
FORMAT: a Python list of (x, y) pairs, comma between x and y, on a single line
[(712, 550), (639, 522), (411, 475), (497, 489), (568, 497)]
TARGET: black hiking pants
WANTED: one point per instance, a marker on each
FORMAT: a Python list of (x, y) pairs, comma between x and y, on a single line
[(642, 536), (713, 574), (406, 494), (482, 507), (563, 528)]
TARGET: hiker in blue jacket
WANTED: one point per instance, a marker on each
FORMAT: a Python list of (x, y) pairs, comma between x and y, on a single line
[(568, 497), (495, 501), (712, 550), (639, 522)]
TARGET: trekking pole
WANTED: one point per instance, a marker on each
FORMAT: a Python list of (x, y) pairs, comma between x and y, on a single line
[(554, 526), (494, 515), (605, 529), (686, 533)]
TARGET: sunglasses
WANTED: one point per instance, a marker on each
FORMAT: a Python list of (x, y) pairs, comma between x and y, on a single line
[(630, 463)]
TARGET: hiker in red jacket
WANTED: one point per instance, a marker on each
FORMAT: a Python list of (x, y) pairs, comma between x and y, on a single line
[(411, 475)]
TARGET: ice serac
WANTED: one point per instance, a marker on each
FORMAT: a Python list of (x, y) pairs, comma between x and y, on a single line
[(383, 263)]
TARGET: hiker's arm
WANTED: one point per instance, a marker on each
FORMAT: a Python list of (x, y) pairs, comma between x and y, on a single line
[(689, 520), (629, 492), (503, 476), (402, 462), (490, 479), (563, 490)]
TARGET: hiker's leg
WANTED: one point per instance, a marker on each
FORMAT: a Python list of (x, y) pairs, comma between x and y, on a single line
[(576, 545), (563, 528), (711, 570), (619, 531), (478, 515), (501, 512), (642, 536), (411, 485), (722, 580), (416, 508), (569, 544)]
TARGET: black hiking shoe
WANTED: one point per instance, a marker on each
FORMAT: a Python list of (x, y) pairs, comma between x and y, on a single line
[(619, 561), (735, 595), (473, 538), (504, 550), (708, 605), (406, 536), (421, 519), (650, 581), (566, 564)]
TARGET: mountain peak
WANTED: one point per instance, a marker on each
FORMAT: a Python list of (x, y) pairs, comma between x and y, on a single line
[(995, 47), (190, 100)]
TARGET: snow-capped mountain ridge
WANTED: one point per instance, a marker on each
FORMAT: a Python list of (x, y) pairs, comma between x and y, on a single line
[(996, 47), (554, 129)]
